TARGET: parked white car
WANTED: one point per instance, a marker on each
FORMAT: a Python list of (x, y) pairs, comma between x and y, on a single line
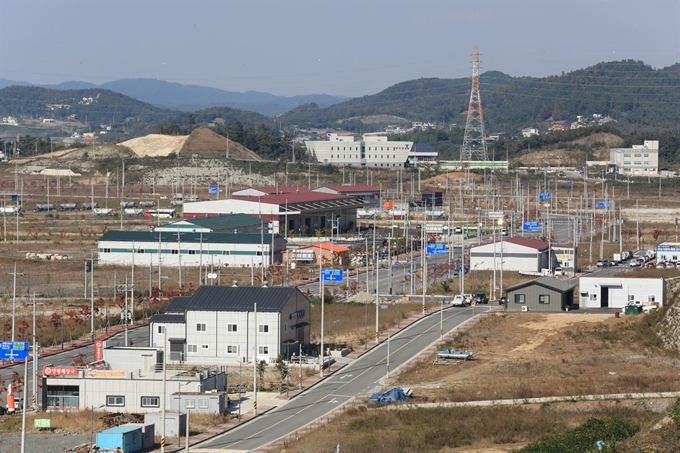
[(459, 301), (634, 262)]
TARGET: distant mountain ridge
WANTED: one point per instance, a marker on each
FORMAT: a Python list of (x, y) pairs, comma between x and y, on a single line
[(189, 98)]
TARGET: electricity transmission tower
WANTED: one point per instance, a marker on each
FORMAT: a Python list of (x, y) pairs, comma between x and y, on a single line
[(474, 144)]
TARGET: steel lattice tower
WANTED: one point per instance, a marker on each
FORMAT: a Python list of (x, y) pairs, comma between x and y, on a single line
[(474, 143)]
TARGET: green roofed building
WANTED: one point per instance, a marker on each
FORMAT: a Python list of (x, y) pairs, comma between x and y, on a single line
[(188, 248)]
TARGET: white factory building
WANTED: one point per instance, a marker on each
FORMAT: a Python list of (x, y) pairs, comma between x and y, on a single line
[(511, 254), (190, 249), (638, 160), (616, 292), (231, 325), (130, 379), (370, 151)]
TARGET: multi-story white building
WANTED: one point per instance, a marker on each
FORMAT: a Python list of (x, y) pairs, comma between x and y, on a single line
[(638, 160), (220, 325), (370, 151)]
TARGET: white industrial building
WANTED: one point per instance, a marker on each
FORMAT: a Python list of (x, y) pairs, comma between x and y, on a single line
[(638, 160), (189, 249), (370, 151), (220, 325), (131, 380), (616, 292), (668, 251), (511, 254)]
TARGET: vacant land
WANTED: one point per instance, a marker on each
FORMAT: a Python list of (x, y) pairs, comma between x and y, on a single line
[(521, 355)]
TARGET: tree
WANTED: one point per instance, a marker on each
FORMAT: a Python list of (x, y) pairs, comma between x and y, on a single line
[(261, 368)]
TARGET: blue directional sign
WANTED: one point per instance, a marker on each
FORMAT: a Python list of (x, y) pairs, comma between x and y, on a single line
[(212, 190), (469, 184), (544, 196), (13, 350), (15, 198), (436, 249), (603, 204), (532, 226), (568, 183), (332, 275)]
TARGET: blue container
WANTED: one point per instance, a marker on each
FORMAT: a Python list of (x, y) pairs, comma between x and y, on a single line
[(128, 438)]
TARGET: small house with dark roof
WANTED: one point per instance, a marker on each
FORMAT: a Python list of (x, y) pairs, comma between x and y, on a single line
[(517, 253), (545, 294), (231, 325)]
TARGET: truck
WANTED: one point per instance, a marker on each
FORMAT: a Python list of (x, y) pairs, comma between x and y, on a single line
[(642, 307), (618, 257)]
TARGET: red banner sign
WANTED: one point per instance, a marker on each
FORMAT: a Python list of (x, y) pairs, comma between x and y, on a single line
[(98, 351), (60, 371)]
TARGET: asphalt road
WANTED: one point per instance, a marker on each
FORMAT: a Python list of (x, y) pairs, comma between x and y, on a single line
[(361, 377)]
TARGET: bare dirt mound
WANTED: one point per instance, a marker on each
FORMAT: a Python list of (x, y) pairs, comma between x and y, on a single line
[(206, 143), (156, 145), (599, 143)]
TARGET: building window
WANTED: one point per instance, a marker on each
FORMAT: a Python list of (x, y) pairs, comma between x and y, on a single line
[(203, 403), (107, 250), (174, 252), (264, 328), (232, 349), (259, 253), (189, 404), (519, 299), (263, 349), (192, 252), (205, 346), (151, 401), (200, 327), (139, 250), (161, 329), (285, 327), (544, 299), (225, 252), (191, 348), (115, 400), (232, 328)]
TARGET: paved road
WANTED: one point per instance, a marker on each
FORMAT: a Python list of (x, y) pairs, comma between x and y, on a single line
[(361, 377)]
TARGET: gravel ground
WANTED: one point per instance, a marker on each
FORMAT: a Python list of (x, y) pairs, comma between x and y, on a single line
[(55, 442)]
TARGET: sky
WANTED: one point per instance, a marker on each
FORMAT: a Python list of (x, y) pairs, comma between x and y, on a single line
[(340, 47)]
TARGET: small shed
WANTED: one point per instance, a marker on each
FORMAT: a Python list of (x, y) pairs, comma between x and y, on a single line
[(545, 294), (432, 197), (175, 423), (128, 438), (200, 402), (148, 435)]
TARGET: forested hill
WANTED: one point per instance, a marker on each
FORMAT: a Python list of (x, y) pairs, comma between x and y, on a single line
[(632, 93)]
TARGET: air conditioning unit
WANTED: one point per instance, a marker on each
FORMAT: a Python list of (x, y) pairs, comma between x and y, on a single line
[(525, 308)]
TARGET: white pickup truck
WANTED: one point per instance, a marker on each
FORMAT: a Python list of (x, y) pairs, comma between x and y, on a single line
[(644, 307)]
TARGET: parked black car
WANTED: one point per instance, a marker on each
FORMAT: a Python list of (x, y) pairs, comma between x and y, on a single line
[(480, 298)]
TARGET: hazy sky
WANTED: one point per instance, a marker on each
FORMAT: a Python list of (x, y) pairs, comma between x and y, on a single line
[(341, 47)]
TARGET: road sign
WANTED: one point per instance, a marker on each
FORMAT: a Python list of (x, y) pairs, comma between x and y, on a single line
[(496, 215), (14, 350), (332, 275), (436, 249), (384, 307), (212, 190), (544, 196), (603, 204), (532, 226)]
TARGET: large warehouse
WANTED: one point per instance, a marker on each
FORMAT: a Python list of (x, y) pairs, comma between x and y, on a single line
[(299, 212), (190, 249), (511, 254)]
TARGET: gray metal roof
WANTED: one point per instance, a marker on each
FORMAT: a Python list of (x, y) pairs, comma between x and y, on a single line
[(177, 304), (546, 282), (167, 318), (231, 298), (187, 237), (220, 222)]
